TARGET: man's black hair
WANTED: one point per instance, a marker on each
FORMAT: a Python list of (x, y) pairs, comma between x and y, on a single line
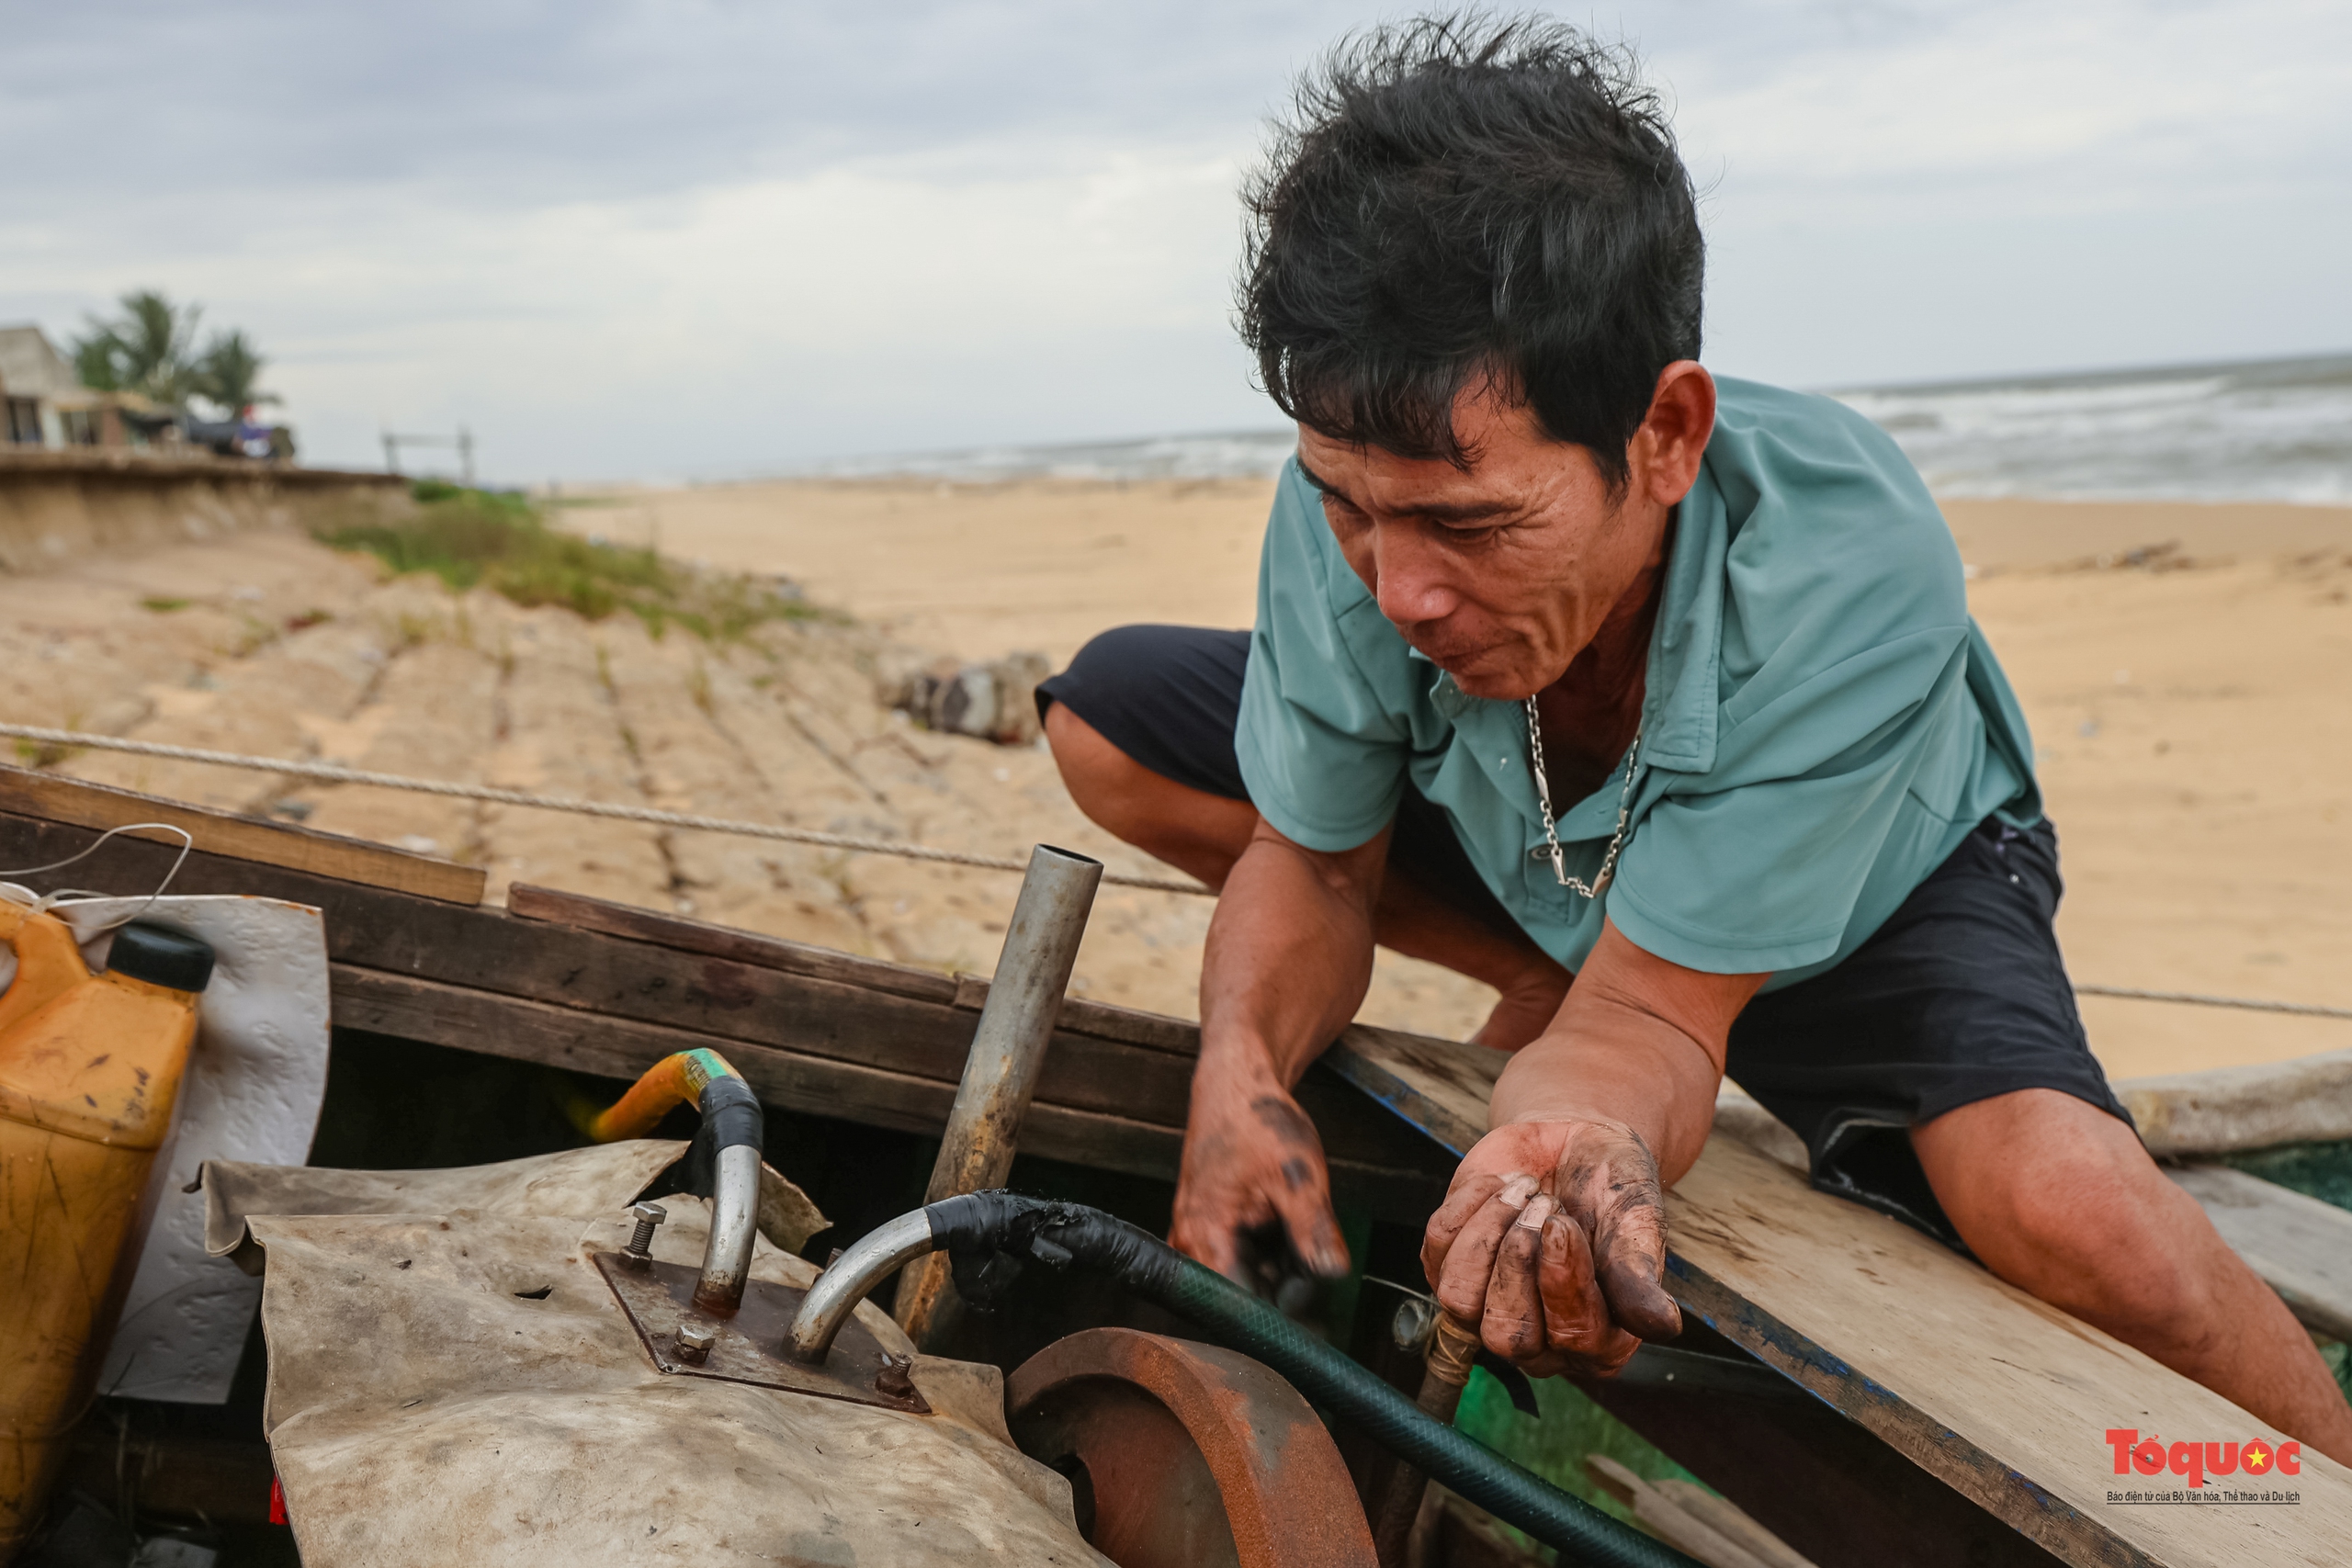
[(1457, 198)]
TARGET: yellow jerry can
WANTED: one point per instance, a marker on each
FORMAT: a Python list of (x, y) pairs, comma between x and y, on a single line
[(89, 1068)]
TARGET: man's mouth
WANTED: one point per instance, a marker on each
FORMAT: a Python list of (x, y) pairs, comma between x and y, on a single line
[(1449, 655)]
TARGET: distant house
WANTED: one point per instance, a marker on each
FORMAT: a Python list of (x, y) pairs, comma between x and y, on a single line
[(46, 404), (37, 386)]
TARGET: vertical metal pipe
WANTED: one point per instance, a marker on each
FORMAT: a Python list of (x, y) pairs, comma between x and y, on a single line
[(734, 1222), (1007, 1049)]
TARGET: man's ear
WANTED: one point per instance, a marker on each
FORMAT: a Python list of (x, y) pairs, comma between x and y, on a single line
[(1665, 451)]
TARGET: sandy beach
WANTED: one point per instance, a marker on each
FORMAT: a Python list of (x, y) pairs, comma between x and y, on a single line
[(2182, 666)]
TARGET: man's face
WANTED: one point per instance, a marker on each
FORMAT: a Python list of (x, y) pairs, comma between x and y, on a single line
[(1500, 573)]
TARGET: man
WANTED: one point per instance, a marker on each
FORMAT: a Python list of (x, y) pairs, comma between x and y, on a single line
[(1649, 699)]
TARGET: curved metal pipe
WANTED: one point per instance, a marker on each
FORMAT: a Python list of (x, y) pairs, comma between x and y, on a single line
[(854, 1273), (734, 1221)]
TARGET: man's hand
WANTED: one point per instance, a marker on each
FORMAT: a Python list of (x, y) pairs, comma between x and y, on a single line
[(1553, 1240), (1289, 956), (1252, 1160)]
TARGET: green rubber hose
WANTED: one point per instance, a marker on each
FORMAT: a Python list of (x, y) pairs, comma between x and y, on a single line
[(987, 1235)]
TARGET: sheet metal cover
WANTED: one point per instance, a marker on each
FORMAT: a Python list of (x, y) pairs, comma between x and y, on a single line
[(748, 1347)]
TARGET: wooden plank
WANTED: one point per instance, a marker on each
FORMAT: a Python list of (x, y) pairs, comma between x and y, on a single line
[(2225, 1110), (967, 991), (2301, 1246), (614, 978), (59, 799), (1664, 1517), (2001, 1397), (554, 907), (471, 1020)]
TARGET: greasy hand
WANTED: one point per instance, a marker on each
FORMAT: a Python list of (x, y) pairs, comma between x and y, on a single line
[(1553, 1240), (1251, 1159)]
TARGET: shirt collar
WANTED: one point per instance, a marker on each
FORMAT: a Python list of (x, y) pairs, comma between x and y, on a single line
[(1683, 697)]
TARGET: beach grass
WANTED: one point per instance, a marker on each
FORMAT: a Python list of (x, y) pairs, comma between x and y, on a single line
[(485, 539)]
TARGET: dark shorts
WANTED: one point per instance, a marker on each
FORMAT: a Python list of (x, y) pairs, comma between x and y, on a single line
[(1959, 997)]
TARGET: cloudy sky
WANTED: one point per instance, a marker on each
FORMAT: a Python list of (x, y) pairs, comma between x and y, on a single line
[(680, 239)]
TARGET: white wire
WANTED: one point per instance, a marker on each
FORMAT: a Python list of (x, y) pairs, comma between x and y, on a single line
[(48, 901)]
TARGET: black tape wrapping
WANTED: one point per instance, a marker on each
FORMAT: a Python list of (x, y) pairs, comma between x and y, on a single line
[(730, 1118), (989, 1235)]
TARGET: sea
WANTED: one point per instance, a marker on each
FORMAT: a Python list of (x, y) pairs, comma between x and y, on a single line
[(2257, 430)]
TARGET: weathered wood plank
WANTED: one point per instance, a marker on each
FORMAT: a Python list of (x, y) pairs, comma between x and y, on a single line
[(2301, 1246), (523, 1030), (616, 978), (554, 907), (2001, 1397), (57, 799), (968, 991), (2225, 1110)]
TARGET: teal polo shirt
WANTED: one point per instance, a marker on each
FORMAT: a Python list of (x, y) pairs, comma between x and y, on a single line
[(1823, 721)]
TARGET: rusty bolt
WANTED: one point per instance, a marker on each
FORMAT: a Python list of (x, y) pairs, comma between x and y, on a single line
[(647, 1215), (694, 1343), (895, 1378)]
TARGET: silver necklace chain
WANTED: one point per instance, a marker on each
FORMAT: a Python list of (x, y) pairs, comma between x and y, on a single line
[(1551, 835)]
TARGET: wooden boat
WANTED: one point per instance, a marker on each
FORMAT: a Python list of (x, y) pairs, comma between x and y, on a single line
[(1864, 1394)]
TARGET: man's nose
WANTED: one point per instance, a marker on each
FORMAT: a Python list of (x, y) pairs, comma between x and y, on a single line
[(1411, 586)]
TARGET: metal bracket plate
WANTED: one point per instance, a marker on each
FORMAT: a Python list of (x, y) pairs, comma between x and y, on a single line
[(657, 1299)]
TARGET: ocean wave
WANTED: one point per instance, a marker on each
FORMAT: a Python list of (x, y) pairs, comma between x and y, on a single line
[(2263, 430)]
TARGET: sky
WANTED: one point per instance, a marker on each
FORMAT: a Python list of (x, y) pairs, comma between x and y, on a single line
[(703, 241)]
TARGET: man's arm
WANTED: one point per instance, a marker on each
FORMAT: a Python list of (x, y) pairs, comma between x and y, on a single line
[(1552, 1236), (1289, 957)]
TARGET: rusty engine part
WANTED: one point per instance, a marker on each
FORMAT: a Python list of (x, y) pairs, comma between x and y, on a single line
[(1187, 1456)]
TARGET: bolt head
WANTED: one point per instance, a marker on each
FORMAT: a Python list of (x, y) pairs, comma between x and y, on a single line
[(895, 1378), (648, 1213), (694, 1342)]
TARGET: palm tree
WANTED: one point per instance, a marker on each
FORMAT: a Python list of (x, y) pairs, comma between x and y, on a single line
[(148, 350), (230, 374)]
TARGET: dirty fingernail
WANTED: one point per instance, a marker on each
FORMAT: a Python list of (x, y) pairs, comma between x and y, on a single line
[(1518, 1190), (1539, 1208)]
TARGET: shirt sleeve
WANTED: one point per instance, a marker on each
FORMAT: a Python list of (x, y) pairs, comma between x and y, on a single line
[(1323, 757)]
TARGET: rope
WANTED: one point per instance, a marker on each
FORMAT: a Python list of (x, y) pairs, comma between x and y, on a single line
[(2249, 1004), (328, 773)]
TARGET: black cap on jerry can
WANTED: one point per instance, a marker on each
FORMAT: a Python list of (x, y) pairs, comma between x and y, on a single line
[(161, 957)]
